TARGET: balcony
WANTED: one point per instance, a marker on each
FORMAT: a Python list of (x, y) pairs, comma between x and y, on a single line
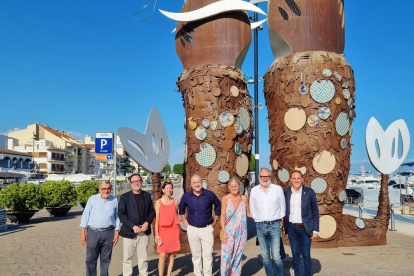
[(10, 163), (56, 160), (69, 163)]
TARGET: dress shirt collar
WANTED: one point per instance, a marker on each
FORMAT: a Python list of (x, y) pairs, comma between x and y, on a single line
[(192, 192), (268, 187), (300, 190)]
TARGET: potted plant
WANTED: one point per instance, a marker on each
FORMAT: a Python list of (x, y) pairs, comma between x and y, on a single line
[(85, 190), (21, 201), (59, 197)]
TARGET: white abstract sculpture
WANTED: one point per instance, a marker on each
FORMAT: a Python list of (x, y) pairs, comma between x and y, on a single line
[(212, 10), (387, 159)]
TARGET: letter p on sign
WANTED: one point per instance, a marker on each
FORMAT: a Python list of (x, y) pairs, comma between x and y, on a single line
[(104, 142)]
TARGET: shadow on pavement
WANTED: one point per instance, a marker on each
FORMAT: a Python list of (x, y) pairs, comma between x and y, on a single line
[(70, 215), (14, 227)]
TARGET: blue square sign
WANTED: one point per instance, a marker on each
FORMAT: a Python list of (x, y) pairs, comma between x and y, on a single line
[(104, 142)]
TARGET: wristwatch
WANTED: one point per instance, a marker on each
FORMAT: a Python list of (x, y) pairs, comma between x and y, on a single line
[(216, 219)]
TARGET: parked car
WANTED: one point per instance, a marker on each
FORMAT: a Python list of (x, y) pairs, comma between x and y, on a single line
[(353, 196)]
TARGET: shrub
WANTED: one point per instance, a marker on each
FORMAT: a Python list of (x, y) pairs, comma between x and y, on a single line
[(87, 189), (58, 193), (21, 197)]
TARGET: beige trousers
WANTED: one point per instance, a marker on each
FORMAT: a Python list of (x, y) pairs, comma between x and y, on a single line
[(201, 244), (138, 244)]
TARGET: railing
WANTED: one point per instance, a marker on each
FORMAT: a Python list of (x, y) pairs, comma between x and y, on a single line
[(10, 163), (56, 160)]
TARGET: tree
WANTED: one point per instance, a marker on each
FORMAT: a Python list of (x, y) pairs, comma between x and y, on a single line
[(178, 168), (252, 164), (166, 170), (132, 169)]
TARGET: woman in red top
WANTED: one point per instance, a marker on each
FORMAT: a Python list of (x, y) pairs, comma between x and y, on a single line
[(167, 228)]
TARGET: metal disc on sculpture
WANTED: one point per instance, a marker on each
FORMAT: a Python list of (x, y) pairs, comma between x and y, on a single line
[(301, 138), (324, 113), (338, 100), (319, 185), (227, 144), (205, 123), (234, 91), (351, 130), (350, 103), (351, 114), (226, 119), (244, 118), (295, 118), (301, 169), (343, 144), (213, 125), (338, 77), (237, 148), (200, 133), (238, 127), (223, 176), (327, 226), (313, 121), (322, 91), (303, 90), (342, 124), (346, 93), (185, 122), (216, 92), (247, 134), (327, 72), (283, 175), (346, 85), (324, 162), (342, 196), (359, 223), (206, 156), (242, 165), (230, 133), (275, 164)]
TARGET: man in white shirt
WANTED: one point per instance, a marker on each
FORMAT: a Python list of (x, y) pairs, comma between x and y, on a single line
[(301, 222), (267, 205)]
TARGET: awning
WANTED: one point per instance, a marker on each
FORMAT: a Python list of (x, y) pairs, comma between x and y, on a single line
[(8, 175)]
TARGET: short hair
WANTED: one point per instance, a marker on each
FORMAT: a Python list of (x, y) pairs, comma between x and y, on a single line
[(264, 168), (105, 182), (296, 171), (165, 185), (234, 179), (196, 175), (134, 174)]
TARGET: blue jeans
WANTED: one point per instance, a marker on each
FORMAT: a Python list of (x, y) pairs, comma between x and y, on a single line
[(300, 243), (269, 239)]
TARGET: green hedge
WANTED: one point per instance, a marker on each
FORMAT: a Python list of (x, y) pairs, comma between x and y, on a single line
[(87, 189), (58, 193), (21, 197)]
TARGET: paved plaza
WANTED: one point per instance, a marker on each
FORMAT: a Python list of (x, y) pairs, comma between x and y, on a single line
[(51, 246)]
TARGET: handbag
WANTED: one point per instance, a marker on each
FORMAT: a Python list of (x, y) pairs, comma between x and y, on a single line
[(221, 232)]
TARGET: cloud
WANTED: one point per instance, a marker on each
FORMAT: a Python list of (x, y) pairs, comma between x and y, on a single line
[(7, 131), (76, 135), (180, 152), (360, 162)]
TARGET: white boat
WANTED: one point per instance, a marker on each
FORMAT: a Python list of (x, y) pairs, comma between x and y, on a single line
[(368, 180), (404, 176)]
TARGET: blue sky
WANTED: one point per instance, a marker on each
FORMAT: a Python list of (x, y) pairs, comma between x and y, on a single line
[(88, 66)]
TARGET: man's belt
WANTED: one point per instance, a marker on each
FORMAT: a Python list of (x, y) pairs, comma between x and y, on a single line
[(297, 224), (201, 226), (270, 222), (102, 229)]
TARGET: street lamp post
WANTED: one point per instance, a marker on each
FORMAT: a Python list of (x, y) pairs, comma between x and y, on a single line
[(256, 99)]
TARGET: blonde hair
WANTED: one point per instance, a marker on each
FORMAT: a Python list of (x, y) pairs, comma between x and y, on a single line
[(234, 179)]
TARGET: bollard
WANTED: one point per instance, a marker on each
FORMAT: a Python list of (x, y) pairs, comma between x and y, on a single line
[(392, 219), (403, 208), (360, 210)]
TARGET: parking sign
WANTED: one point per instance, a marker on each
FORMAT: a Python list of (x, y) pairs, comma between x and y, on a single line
[(104, 142)]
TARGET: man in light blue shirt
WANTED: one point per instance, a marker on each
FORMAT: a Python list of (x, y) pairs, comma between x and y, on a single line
[(100, 217)]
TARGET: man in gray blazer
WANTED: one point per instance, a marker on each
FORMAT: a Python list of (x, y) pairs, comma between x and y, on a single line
[(301, 222)]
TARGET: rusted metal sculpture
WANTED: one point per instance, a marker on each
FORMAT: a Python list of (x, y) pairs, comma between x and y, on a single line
[(218, 109), (310, 95)]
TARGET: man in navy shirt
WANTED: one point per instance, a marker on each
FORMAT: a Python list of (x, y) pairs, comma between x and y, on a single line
[(200, 224)]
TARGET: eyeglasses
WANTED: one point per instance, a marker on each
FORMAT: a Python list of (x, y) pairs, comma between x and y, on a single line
[(137, 181), (106, 189), (264, 176)]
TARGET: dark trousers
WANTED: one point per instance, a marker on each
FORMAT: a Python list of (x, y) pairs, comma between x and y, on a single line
[(300, 243), (98, 243)]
